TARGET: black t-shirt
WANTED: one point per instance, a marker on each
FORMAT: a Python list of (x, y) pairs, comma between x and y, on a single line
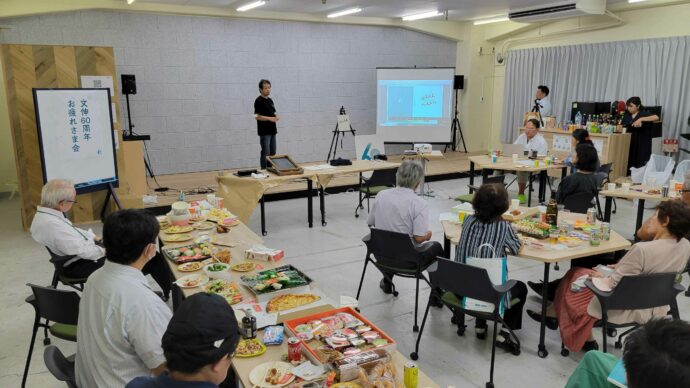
[(263, 106), (628, 118), (577, 183)]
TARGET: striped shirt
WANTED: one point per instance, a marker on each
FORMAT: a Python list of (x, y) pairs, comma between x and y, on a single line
[(499, 234)]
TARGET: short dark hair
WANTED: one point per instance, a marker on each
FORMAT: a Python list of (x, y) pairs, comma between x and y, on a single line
[(535, 122), (634, 101), (490, 202), (587, 157), (126, 233), (581, 135), (544, 89), (677, 213), (658, 355), (262, 82)]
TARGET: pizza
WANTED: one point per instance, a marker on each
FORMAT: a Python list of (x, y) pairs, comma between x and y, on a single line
[(290, 301)]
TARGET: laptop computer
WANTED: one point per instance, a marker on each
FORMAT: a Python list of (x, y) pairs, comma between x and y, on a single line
[(509, 149)]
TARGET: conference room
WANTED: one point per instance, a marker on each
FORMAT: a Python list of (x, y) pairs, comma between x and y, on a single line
[(385, 193)]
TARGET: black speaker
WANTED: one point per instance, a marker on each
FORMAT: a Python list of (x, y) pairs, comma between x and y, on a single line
[(129, 84), (459, 82)]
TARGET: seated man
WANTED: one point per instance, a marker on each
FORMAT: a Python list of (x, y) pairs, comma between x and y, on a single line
[(400, 210), (52, 229), (121, 320), (198, 345), (656, 355), (532, 140)]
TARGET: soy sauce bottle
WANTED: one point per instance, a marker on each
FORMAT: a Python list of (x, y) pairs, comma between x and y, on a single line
[(552, 213), (248, 325)]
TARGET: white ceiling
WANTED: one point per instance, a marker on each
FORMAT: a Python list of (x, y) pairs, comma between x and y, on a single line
[(457, 9)]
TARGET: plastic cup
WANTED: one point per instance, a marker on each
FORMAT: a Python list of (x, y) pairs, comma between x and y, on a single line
[(626, 187), (514, 204), (612, 186), (553, 237)]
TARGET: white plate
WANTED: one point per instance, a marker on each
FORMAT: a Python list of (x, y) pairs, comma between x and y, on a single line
[(258, 374), (201, 280)]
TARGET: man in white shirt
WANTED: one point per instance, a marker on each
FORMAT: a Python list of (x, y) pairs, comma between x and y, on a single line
[(52, 229), (532, 140), (121, 320), (542, 99)]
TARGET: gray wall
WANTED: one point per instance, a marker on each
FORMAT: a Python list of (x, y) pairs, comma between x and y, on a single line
[(197, 78)]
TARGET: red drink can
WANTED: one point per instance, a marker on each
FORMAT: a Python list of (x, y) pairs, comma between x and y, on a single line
[(294, 349)]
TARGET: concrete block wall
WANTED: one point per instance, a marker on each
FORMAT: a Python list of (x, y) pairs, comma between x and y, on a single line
[(197, 78)]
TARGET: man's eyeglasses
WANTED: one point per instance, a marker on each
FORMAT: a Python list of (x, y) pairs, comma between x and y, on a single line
[(69, 201)]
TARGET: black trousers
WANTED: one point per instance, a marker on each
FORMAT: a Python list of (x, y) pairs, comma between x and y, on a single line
[(82, 268), (160, 272)]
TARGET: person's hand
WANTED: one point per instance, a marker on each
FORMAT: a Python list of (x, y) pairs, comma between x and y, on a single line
[(637, 123), (612, 266), (276, 118), (428, 236), (596, 275)]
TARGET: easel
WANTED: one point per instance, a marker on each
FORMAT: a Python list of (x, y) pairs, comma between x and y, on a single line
[(336, 136), (110, 193), (455, 128)]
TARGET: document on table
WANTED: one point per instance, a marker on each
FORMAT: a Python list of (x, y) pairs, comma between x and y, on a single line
[(526, 163), (319, 167), (258, 310)]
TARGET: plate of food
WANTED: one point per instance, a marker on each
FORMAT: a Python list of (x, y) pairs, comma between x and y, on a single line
[(189, 267), (245, 266), (218, 271), (275, 279), (250, 348), (652, 191), (216, 214), (272, 374), (203, 225), (175, 229), (570, 242), (348, 384), (192, 281), (228, 222), (193, 252), (222, 256), (176, 237), (290, 301), (226, 289)]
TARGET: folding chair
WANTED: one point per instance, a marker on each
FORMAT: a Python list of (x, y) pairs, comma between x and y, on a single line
[(491, 179), (61, 367), (58, 275), (378, 181)]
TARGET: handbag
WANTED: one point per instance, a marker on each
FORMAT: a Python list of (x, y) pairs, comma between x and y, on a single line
[(497, 268)]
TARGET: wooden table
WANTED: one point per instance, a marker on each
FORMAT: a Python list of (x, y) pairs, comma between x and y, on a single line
[(241, 194), (452, 231), (244, 238), (505, 163), (635, 192)]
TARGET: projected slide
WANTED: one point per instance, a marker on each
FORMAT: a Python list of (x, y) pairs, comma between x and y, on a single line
[(414, 104)]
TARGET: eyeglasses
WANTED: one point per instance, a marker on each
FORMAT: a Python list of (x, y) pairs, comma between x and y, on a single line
[(69, 201)]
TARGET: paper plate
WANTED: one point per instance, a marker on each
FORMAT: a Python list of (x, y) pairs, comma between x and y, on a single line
[(176, 237), (192, 281), (260, 352), (178, 229), (258, 374)]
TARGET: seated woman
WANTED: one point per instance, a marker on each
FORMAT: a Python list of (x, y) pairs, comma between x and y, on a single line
[(487, 227), (584, 179), (663, 249), (580, 136)]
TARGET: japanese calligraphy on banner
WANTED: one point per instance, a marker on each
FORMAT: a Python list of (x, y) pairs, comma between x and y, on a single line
[(76, 135)]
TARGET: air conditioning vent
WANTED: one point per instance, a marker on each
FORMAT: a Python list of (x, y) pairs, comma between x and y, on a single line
[(561, 10)]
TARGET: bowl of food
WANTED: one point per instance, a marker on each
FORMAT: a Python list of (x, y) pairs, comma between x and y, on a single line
[(218, 271)]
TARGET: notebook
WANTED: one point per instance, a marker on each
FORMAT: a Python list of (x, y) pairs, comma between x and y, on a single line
[(617, 376)]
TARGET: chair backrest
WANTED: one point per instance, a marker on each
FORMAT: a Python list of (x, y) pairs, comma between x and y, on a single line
[(56, 305), (57, 260), (384, 177), (579, 202), (464, 279), (59, 366), (393, 249), (644, 291), (681, 169), (494, 179)]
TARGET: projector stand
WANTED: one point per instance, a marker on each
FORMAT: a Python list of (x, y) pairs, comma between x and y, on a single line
[(110, 193), (336, 136), (455, 128)]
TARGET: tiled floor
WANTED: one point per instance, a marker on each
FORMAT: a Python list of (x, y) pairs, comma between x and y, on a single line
[(333, 256)]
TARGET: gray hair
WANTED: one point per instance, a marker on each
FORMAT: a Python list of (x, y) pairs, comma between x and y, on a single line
[(56, 191), (410, 174), (686, 184)]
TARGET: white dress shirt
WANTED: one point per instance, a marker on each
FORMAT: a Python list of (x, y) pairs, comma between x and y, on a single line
[(544, 106), (400, 210), (537, 143), (53, 230), (121, 325)]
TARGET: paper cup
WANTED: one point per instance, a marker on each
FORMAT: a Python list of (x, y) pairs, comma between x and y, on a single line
[(514, 204), (612, 186), (626, 187)]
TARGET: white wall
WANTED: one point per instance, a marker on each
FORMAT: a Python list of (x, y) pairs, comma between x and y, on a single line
[(197, 78)]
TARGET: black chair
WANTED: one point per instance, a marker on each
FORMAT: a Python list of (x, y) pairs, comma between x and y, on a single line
[(635, 293), (58, 275), (378, 181), (488, 180), (394, 254), (61, 367), (583, 201), (462, 279), (605, 172), (60, 307)]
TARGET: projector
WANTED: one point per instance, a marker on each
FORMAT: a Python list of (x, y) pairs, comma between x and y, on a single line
[(422, 148)]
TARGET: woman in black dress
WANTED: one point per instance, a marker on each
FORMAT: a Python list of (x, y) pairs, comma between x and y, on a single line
[(638, 124)]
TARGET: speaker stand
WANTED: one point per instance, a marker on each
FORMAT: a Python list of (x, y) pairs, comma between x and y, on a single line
[(455, 128)]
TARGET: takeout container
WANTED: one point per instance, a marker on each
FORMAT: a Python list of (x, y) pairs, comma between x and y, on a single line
[(265, 296), (179, 215), (263, 253)]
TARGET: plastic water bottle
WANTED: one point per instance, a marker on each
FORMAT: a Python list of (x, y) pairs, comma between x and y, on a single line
[(578, 118), (180, 197)]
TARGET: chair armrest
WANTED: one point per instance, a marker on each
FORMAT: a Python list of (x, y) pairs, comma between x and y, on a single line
[(679, 287), (503, 288), (599, 293), (473, 187)]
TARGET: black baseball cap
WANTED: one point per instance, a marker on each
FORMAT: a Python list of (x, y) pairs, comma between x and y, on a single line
[(202, 330)]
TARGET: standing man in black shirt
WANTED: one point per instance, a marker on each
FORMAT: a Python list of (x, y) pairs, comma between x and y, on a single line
[(266, 119)]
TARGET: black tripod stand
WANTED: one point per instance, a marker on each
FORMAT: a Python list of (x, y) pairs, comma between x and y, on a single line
[(337, 136), (455, 128), (537, 109)]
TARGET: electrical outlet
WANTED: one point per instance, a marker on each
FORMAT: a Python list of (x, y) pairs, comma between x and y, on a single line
[(481, 99)]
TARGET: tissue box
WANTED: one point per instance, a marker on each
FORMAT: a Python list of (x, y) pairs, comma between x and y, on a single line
[(263, 253)]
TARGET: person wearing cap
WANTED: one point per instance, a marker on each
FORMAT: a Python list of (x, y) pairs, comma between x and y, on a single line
[(198, 344), (121, 319)]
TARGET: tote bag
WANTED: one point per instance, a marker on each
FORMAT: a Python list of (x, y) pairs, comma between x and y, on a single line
[(497, 268)]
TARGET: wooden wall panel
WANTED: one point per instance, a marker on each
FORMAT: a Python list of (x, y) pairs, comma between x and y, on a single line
[(27, 67)]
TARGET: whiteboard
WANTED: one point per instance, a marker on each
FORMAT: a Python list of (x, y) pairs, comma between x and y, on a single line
[(76, 137)]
